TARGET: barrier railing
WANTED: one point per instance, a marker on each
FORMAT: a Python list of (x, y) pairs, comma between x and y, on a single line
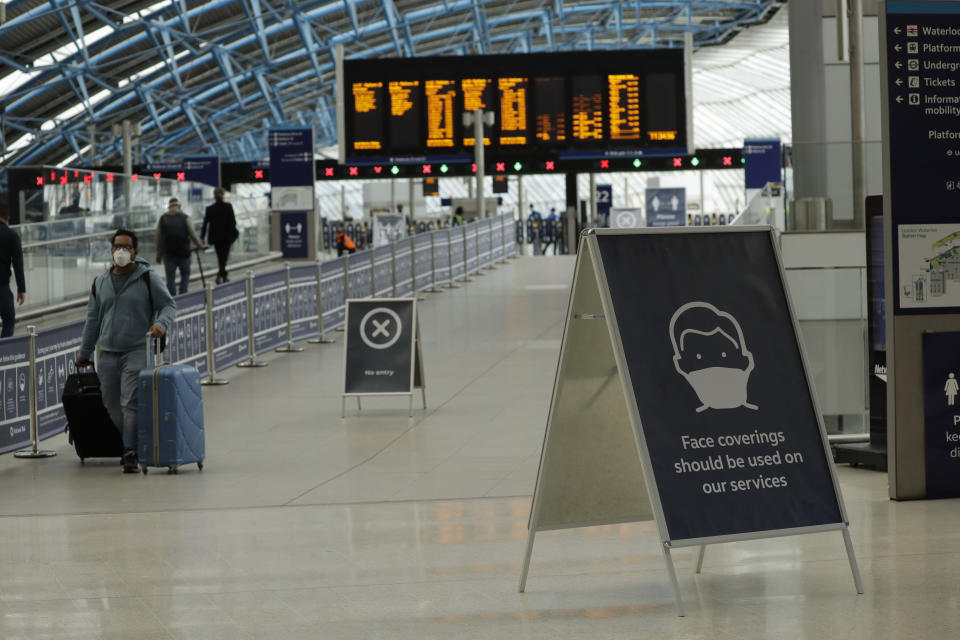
[(231, 324)]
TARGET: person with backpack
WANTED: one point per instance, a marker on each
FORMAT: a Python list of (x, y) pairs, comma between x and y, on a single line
[(174, 233), (126, 302)]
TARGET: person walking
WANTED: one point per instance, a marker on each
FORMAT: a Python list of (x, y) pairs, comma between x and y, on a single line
[(11, 255), (174, 233), (222, 224), (126, 301)]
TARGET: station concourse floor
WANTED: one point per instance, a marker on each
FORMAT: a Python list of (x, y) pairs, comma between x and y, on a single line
[(303, 525)]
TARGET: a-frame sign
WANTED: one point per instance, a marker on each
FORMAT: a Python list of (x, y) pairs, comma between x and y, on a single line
[(683, 396)]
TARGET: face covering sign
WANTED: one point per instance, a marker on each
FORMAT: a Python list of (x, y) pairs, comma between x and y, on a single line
[(713, 430)]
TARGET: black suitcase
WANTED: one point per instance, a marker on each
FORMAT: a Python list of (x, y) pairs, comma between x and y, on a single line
[(91, 431)]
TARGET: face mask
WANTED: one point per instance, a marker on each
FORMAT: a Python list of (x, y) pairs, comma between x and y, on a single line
[(720, 387), (121, 257)]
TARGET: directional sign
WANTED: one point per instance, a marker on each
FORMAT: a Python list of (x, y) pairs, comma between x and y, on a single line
[(14, 373), (666, 207), (923, 111)]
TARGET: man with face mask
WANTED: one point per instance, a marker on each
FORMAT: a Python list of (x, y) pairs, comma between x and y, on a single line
[(709, 351), (174, 234), (126, 302)]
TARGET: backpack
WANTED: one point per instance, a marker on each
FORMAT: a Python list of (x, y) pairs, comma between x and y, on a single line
[(176, 238)]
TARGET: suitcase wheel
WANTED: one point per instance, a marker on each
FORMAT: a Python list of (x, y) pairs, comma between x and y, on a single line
[(172, 469), (143, 468), (200, 465)]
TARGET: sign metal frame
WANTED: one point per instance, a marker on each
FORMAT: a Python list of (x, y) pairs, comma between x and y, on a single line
[(589, 250)]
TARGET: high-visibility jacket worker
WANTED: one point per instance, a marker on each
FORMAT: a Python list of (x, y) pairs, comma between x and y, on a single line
[(344, 243)]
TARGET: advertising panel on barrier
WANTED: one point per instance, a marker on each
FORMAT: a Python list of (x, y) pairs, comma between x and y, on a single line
[(441, 255), (56, 358), (735, 442), (484, 257), (404, 269), (269, 310), (379, 351), (422, 261), (471, 247), (15, 378), (456, 252), (187, 338), (360, 275), (334, 293), (303, 302), (383, 271), (230, 324)]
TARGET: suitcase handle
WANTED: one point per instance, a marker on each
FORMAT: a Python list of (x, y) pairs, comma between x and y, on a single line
[(158, 351)]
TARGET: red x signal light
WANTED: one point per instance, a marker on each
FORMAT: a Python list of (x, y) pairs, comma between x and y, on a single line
[(728, 161), (354, 171), (677, 162)]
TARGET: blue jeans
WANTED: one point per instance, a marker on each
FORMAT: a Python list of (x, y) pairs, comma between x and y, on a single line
[(118, 374), (171, 264)]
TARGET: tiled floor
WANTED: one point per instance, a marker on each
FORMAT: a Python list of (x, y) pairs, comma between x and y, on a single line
[(305, 526)]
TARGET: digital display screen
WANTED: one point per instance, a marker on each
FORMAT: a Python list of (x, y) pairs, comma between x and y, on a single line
[(550, 112), (441, 98), (570, 104), (404, 121), (368, 115)]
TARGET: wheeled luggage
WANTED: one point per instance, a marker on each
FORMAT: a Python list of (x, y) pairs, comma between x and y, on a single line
[(169, 415), (90, 429)]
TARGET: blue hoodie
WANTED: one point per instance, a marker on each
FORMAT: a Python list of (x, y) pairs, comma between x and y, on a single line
[(119, 322)]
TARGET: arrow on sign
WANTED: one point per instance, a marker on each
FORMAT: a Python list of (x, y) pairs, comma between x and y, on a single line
[(898, 64), (897, 47), (656, 203), (899, 82), (899, 98), (896, 30)]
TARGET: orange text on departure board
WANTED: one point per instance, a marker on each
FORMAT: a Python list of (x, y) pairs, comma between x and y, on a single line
[(473, 89), (513, 110), (440, 98), (587, 117), (400, 92), (365, 96), (662, 135), (624, 106)]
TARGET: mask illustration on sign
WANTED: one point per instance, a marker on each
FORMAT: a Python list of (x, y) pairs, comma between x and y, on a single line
[(709, 351)]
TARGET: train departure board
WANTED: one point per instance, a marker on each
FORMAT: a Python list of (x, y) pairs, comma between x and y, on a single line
[(573, 104), (404, 125)]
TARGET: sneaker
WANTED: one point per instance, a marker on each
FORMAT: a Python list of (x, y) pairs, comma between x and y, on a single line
[(130, 462)]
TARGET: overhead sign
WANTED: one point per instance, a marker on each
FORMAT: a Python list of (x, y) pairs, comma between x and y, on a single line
[(924, 152), (382, 352), (666, 207), (763, 162), (291, 157), (205, 169), (941, 402), (293, 234), (719, 419)]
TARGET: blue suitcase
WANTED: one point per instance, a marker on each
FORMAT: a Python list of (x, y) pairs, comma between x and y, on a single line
[(169, 416)]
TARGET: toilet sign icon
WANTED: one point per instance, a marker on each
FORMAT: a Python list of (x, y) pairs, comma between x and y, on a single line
[(380, 328)]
